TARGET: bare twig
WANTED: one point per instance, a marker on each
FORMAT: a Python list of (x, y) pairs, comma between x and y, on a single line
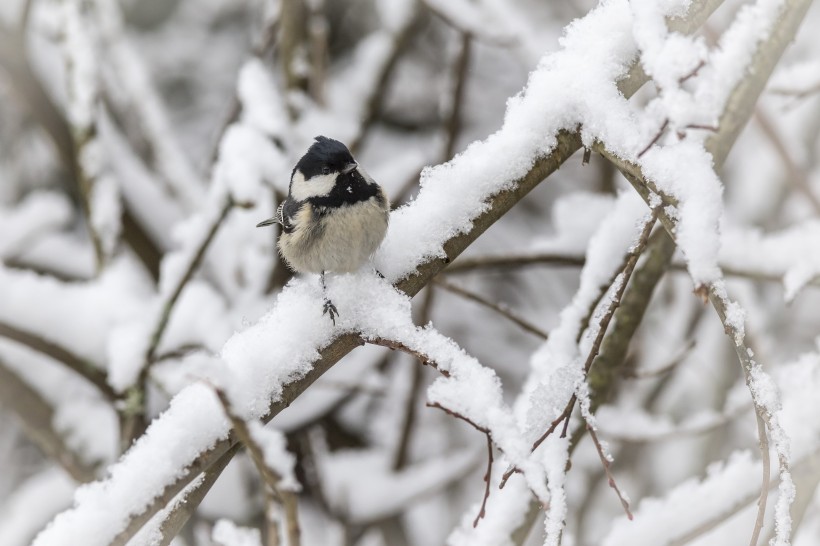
[(513, 261), (459, 416), (692, 73), (550, 259), (798, 94), (487, 478), (621, 281), (501, 310), (392, 344), (488, 475), (605, 462), (478, 31), (656, 138)]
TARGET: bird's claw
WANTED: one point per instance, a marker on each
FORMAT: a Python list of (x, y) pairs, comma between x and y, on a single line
[(330, 309)]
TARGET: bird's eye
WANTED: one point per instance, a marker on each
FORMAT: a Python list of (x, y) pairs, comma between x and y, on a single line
[(325, 170)]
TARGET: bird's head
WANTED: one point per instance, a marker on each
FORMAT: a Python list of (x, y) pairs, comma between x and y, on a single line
[(318, 170)]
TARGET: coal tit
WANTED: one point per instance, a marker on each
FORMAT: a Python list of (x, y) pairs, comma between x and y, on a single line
[(335, 215)]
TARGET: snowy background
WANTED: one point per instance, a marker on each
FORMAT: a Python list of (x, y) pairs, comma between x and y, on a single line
[(622, 351)]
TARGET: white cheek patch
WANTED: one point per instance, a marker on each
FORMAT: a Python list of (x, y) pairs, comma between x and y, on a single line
[(318, 186)]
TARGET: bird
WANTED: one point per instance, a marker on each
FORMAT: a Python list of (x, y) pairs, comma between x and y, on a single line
[(335, 215)]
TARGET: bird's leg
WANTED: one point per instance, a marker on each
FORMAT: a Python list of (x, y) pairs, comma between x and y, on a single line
[(328, 308)]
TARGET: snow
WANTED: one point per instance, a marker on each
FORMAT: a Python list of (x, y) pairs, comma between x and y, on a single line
[(789, 253), (77, 316), (140, 94), (506, 509), (363, 486), (689, 505), (274, 447), (106, 212), (33, 503), (684, 170), (38, 213), (82, 69), (573, 231), (227, 533)]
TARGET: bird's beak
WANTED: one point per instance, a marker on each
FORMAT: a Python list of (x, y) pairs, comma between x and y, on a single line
[(268, 222), (349, 168)]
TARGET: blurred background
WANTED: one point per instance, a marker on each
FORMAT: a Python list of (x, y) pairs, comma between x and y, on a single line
[(142, 140)]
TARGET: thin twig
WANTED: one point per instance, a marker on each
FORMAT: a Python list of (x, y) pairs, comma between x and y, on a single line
[(499, 309), (605, 462), (512, 261), (487, 477), (656, 138), (623, 280), (397, 345), (457, 415), (692, 73), (798, 94), (551, 259), (478, 31)]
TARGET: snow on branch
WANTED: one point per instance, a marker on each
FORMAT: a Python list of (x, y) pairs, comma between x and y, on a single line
[(278, 357)]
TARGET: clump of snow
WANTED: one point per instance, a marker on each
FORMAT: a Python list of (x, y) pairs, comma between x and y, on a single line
[(572, 230), (127, 347), (227, 533), (77, 316), (81, 62), (689, 505), (788, 253), (277, 457), (37, 213), (106, 211), (684, 170), (736, 321), (506, 509), (32, 504), (363, 485)]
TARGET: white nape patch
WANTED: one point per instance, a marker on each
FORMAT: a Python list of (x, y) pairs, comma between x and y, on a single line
[(317, 186)]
